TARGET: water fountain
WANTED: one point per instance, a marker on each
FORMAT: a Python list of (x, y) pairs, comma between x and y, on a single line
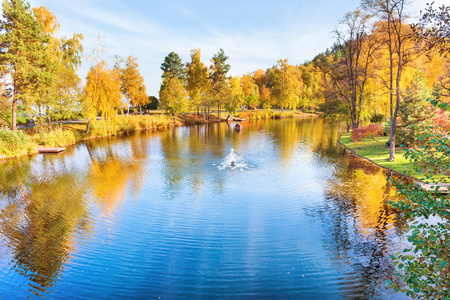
[(233, 161)]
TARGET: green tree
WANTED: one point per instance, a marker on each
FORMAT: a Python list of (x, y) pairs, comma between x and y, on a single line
[(425, 265), (152, 103), (23, 54), (173, 67), (414, 110), (218, 75)]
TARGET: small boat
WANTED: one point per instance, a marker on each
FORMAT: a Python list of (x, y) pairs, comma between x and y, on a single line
[(237, 127)]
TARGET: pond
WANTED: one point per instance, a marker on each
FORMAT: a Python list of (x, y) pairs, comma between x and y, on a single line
[(275, 210)]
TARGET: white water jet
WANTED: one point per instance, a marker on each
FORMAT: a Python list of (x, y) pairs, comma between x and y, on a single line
[(232, 161)]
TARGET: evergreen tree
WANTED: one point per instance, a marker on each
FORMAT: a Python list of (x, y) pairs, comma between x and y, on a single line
[(23, 54), (173, 67), (218, 76), (414, 111)]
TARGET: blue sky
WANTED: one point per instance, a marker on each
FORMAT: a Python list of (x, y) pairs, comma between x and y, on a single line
[(254, 34)]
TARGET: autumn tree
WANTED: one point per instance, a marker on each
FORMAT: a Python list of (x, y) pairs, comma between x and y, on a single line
[(396, 36), (286, 87), (172, 93), (62, 99), (236, 95), (348, 64), (434, 28), (173, 96), (250, 91), (218, 75), (198, 83), (22, 55), (132, 83), (313, 85), (102, 91)]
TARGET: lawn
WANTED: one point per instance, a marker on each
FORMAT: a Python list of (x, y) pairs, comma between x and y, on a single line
[(378, 152)]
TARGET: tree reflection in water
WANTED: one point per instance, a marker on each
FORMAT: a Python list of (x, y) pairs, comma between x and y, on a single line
[(53, 206), (362, 230), (46, 204)]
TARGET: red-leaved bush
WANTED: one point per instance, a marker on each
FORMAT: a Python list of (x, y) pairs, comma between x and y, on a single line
[(442, 121), (371, 130)]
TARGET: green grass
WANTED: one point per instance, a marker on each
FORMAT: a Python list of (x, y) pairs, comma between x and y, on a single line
[(15, 143), (378, 152)]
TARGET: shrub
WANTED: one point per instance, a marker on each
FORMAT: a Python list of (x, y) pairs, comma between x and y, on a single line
[(442, 121), (127, 124), (56, 138), (377, 118), (372, 131), (268, 114), (15, 143)]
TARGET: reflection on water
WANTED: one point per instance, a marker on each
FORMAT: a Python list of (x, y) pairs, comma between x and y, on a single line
[(155, 215)]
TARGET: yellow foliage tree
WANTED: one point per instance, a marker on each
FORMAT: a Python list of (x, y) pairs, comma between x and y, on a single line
[(60, 100), (287, 86), (198, 84), (132, 83), (250, 90), (102, 91), (173, 96)]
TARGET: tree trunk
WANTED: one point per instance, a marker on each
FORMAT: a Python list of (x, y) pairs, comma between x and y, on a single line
[(60, 124), (209, 107), (218, 111), (88, 126), (14, 115)]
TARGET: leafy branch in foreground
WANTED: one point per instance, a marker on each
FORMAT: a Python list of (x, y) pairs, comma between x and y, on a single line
[(425, 266)]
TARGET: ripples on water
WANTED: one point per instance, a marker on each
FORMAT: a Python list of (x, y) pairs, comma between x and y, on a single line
[(165, 215)]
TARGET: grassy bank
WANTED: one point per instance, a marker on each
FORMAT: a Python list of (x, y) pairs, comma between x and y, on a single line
[(377, 151), (21, 142), (25, 142), (270, 114)]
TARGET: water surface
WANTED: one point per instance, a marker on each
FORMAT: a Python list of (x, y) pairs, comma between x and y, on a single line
[(160, 214)]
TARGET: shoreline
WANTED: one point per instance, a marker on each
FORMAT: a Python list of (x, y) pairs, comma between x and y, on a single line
[(353, 152), (443, 188), (189, 121)]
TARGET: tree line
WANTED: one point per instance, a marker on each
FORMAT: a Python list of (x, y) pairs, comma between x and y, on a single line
[(39, 71), (194, 85), (379, 68)]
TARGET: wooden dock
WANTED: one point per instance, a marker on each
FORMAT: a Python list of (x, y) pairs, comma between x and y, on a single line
[(51, 150)]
